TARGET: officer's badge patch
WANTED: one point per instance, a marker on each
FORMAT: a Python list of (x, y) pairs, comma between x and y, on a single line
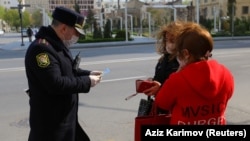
[(42, 60)]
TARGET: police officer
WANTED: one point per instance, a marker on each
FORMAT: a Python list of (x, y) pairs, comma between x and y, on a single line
[(54, 81)]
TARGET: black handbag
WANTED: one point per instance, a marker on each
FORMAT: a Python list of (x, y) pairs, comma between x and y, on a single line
[(145, 106)]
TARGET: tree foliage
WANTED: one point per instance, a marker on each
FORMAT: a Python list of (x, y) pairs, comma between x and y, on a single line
[(90, 18), (208, 23), (26, 19), (107, 29), (77, 8), (2, 11), (231, 6), (37, 18), (122, 34), (159, 16), (12, 18), (97, 31)]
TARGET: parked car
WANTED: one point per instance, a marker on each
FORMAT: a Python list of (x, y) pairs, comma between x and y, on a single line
[(24, 32), (1, 32)]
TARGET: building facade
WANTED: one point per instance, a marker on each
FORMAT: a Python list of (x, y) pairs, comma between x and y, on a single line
[(219, 8), (37, 4), (49, 5), (9, 3)]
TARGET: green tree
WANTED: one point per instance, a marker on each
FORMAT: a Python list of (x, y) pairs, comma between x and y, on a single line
[(90, 19), (107, 29), (2, 11), (12, 18), (26, 19), (158, 15), (97, 31), (208, 23), (121, 34), (36, 18), (231, 6), (77, 7)]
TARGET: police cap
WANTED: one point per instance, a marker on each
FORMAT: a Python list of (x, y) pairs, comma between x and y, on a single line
[(70, 18)]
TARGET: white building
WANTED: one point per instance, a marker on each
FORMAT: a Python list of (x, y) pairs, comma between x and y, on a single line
[(9, 3)]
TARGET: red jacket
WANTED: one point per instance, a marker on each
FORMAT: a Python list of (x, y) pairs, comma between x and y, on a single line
[(198, 94)]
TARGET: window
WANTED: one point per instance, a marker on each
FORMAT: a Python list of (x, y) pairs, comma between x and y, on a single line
[(245, 10)]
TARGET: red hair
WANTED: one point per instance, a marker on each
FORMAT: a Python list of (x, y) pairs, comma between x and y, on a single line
[(196, 39)]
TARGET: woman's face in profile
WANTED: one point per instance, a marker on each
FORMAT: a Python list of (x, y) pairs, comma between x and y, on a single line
[(170, 47), (169, 44)]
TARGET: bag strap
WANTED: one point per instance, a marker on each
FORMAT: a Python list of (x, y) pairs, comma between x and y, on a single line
[(149, 97), (153, 110)]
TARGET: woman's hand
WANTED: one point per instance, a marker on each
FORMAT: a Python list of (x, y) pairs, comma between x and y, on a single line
[(154, 89), (150, 79)]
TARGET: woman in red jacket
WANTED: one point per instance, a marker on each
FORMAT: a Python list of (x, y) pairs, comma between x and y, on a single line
[(198, 93)]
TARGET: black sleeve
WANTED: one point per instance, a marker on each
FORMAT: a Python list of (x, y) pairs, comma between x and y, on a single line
[(164, 68), (81, 72), (56, 74)]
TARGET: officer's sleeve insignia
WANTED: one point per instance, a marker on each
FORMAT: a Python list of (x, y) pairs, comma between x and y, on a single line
[(42, 60)]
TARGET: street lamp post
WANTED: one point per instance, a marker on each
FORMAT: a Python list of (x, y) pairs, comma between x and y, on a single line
[(174, 12), (21, 21), (141, 25), (101, 22), (214, 10), (126, 20), (149, 24), (20, 6), (232, 20), (45, 22), (197, 11), (131, 24)]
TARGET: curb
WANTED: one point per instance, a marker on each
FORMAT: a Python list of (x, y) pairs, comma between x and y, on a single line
[(137, 41), (109, 44), (149, 41), (232, 38)]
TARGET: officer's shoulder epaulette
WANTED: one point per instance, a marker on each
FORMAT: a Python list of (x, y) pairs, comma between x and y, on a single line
[(43, 41)]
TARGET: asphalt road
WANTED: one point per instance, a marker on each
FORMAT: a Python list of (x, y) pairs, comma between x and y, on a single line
[(104, 113)]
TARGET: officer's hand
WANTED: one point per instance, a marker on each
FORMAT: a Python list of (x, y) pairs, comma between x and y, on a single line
[(96, 73), (95, 79)]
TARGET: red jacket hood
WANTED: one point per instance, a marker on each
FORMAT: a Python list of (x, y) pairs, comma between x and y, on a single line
[(208, 80)]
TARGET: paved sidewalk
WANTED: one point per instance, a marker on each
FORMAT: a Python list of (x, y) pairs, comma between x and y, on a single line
[(16, 44)]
